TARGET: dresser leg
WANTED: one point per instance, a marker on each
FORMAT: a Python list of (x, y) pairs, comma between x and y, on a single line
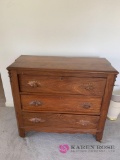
[(99, 136), (21, 132)]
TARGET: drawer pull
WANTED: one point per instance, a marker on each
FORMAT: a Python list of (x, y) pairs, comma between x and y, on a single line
[(36, 120), (34, 84), (84, 123), (35, 103), (89, 87), (86, 106)]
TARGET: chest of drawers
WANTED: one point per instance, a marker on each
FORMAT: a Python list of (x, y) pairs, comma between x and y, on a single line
[(61, 94)]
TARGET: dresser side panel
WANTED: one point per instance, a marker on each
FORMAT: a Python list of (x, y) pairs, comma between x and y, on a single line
[(17, 101), (105, 105)]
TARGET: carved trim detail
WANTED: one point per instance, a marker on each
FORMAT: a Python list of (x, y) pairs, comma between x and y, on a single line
[(10, 76), (36, 120), (85, 122), (88, 87), (35, 103), (34, 84)]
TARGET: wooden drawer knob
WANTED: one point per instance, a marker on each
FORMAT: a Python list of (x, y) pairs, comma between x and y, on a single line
[(89, 87), (34, 84), (35, 103), (36, 120), (86, 106)]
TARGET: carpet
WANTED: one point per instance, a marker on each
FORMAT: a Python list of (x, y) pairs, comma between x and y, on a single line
[(55, 146)]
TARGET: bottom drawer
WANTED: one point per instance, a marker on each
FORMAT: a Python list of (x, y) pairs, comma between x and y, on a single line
[(60, 120)]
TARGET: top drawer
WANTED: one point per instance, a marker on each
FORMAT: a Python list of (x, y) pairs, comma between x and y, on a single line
[(67, 85)]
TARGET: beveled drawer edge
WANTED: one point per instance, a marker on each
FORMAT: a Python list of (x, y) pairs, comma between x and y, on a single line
[(67, 112), (57, 94)]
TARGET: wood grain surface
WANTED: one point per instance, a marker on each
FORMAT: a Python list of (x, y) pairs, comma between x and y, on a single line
[(60, 120), (76, 104), (95, 64), (68, 85), (61, 94)]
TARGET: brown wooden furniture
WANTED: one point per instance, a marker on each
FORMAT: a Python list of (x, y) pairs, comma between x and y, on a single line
[(61, 94)]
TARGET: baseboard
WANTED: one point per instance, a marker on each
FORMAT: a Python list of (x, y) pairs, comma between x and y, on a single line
[(9, 104)]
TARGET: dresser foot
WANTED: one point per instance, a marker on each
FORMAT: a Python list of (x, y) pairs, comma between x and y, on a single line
[(99, 136), (21, 133)]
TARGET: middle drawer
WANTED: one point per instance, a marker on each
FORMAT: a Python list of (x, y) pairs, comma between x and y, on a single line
[(61, 104)]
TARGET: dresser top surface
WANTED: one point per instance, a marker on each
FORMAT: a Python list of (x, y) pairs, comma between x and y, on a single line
[(62, 63)]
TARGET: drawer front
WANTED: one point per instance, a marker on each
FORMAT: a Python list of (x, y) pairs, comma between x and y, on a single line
[(69, 85), (61, 104), (60, 120)]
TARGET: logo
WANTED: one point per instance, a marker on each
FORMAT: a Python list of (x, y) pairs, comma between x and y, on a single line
[(63, 148)]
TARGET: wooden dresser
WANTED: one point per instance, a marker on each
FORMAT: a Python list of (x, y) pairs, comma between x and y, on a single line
[(61, 94)]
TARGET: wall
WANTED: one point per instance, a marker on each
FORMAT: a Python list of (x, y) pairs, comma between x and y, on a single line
[(58, 27)]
